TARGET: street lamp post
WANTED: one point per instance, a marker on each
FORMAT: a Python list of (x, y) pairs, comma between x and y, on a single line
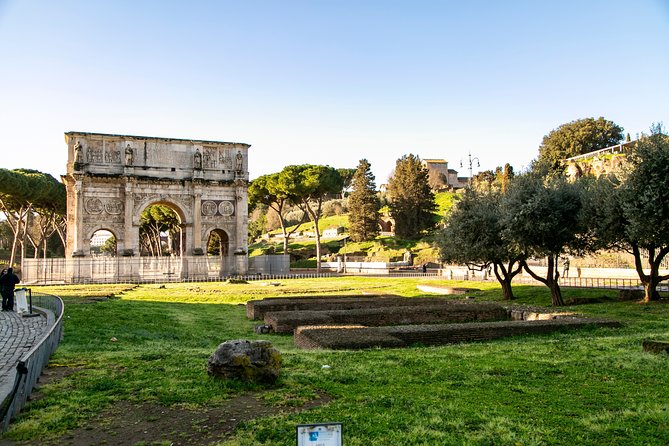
[(471, 164)]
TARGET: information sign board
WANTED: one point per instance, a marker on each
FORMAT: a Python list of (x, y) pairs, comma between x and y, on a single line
[(321, 434)]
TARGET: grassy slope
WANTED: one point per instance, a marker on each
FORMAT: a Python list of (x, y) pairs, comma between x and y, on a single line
[(382, 246), (585, 387), (445, 201)]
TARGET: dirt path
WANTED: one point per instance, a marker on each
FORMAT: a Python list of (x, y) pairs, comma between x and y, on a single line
[(130, 424)]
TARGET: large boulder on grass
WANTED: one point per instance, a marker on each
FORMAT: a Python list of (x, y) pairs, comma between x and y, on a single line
[(256, 361)]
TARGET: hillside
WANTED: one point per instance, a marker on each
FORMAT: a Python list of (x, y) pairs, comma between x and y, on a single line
[(302, 246)]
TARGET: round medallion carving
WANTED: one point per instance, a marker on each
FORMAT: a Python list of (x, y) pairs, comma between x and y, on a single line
[(94, 206), (209, 208), (226, 208), (114, 207)]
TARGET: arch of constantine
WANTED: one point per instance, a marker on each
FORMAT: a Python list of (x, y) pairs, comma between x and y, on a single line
[(112, 179)]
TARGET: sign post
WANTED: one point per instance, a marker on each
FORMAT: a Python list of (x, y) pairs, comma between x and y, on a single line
[(21, 301), (24, 302)]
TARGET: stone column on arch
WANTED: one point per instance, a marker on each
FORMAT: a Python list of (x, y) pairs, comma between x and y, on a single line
[(241, 229), (126, 251), (77, 267), (197, 261), (198, 242), (78, 237), (130, 244)]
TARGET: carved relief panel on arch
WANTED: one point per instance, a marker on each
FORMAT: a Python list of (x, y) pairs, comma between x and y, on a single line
[(217, 158), (97, 206), (214, 208)]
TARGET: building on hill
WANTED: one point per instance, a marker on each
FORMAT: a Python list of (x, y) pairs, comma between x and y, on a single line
[(387, 225), (440, 177), (333, 231)]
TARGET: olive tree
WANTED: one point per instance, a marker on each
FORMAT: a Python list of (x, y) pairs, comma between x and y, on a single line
[(633, 210), (543, 218), (473, 236)]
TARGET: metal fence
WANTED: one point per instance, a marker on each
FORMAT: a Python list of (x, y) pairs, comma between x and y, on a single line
[(600, 282), (147, 269), (30, 366)]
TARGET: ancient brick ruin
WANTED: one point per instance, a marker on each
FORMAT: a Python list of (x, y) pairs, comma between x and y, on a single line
[(347, 322)]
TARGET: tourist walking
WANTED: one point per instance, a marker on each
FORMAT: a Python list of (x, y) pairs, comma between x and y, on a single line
[(7, 283)]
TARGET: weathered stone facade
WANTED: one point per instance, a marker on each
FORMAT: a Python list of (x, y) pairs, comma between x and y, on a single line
[(111, 179), (441, 177), (609, 160)]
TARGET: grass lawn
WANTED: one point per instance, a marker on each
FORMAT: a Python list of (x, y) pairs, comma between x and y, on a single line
[(585, 387)]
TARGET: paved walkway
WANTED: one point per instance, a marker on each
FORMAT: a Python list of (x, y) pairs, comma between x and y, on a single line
[(17, 336)]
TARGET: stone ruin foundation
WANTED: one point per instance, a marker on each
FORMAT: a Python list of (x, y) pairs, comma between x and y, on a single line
[(356, 322)]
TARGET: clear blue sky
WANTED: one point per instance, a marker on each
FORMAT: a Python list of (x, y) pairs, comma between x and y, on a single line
[(328, 82)]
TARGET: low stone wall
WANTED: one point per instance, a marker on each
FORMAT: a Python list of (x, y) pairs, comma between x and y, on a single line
[(256, 309), (345, 337), (358, 337), (425, 313), (447, 290)]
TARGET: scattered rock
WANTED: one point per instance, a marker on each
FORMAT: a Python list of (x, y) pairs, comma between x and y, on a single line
[(657, 347), (256, 361), (262, 329)]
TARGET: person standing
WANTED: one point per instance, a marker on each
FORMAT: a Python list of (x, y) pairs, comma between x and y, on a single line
[(7, 283), (565, 268)]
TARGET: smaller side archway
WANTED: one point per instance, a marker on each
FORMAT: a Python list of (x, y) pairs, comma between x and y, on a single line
[(218, 245), (102, 245)]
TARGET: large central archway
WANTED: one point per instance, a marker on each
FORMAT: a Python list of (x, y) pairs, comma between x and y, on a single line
[(113, 179), (161, 231)]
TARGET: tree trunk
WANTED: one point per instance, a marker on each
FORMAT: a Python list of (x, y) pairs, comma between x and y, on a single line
[(24, 237), (551, 280), (505, 276), (18, 233), (650, 290), (651, 280), (285, 236), (60, 227), (506, 289), (318, 251), (314, 218), (556, 294), (504, 280), (284, 230)]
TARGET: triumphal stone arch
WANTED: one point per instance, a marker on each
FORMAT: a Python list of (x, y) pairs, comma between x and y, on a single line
[(111, 179)]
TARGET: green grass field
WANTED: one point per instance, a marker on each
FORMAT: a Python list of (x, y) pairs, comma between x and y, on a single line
[(586, 387)]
